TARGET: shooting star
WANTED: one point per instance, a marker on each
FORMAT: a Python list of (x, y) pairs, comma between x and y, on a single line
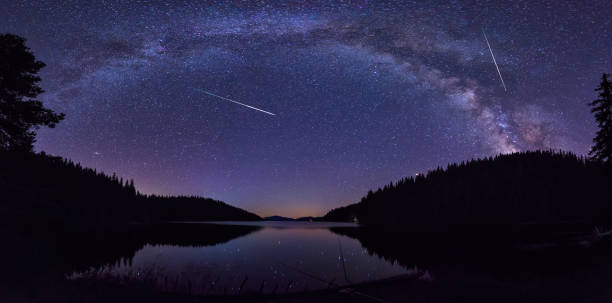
[(234, 101), (494, 62)]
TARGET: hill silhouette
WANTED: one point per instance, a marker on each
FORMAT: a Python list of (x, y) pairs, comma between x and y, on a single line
[(300, 219), (42, 188), (535, 187), (278, 218)]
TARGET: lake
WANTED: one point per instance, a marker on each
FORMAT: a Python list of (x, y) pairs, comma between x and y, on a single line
[(245, 257), (242, 258)]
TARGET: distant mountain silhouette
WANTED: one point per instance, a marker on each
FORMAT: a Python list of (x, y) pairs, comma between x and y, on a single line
[(41, 188), (278, 218), (309, 219), (539, 187), (301, 219)]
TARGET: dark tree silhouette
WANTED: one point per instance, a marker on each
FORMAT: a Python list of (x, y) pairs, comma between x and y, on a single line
[(47, 189), (51, 189), (19, 112), (535, 187), (602, 108)]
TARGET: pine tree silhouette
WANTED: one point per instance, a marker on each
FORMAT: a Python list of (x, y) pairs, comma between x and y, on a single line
[(602, 108), (19, 112), (52, 189), (527, 187)]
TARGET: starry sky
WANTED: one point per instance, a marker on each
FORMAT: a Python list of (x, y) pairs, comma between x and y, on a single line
[(363, 92)]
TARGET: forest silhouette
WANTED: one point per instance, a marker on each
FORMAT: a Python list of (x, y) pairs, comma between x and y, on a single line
[(39, 189), (51, 190), (534, 187), (525, 188)]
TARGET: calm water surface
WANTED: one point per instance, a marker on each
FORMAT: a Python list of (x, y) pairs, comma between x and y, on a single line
[(273, 257)]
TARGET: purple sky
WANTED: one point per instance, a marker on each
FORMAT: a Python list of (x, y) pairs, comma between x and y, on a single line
[(364, 93)]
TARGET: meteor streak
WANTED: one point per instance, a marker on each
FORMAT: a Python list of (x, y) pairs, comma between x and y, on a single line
[(494, 62), (234, 101)]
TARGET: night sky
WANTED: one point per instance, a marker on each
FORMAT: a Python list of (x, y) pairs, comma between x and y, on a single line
[(363, 92)]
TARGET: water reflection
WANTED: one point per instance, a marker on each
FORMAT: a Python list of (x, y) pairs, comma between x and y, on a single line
[(276, 257), (87, 250)]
